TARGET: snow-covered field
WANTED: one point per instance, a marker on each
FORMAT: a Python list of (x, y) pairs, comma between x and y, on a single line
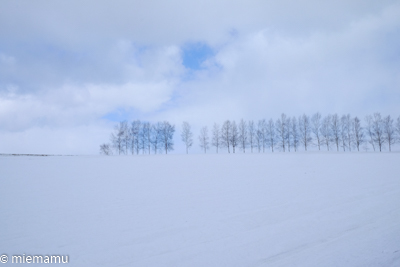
[(306, 209)]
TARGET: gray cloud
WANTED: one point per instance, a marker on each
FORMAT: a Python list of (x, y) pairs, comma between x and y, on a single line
[(159, 22)]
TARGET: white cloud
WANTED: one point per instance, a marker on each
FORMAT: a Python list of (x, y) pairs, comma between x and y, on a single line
[(76, 105), (150, 78), (265, 73)]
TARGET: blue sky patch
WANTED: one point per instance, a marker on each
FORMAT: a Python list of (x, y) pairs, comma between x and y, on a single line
[(118, 115), (194, 54)]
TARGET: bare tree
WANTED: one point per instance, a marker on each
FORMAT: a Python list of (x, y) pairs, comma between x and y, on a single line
[(288, 135), (259, 138), (252, 135), (135, 139), (343, 132), (187, 135), (377, 127), (370, 131), (270, 129), (326, 133), (234, 136), (147, 137), (316, 128), (243, 135), (398, 128), (117, 138), (143, 137), (280, 127), (105, 149), (167, 135), (358, 133), (305, 131), (349, 130), (156, 137), (389, 131), (335, 129), (262, 128), (216, 136), (204, 139), (125, 136), (226, 133), (294, 133)]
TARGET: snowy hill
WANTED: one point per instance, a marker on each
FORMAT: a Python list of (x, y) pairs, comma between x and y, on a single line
[(305, 209)]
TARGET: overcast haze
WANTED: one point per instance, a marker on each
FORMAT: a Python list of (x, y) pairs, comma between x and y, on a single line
[(69, 70)]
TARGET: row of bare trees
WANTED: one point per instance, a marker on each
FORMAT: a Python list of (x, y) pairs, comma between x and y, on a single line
[(140, 137), (332, 132)]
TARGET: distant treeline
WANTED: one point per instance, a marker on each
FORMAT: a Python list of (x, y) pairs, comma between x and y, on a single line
[(332, 132), (139, 137)]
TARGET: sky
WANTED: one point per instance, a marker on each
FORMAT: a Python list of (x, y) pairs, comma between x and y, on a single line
[(70, 70)]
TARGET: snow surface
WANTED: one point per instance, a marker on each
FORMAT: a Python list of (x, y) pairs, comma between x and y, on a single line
[(305, 209)]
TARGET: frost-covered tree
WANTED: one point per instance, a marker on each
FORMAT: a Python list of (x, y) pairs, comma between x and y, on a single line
[(398, 129), (156, 137), (216, 137), (234, 136), (344, 132), (370, 131), (252, 135), (378, 130), (349, 131), (259, 139), (305, 131), (294, 133), (167, 136), (105, 149), (288, 135), (280, 128), (204, 139), (123, 127), (243, 135), (187, 135), (389, 131), (358, 133), (226, 135), (143, 137), (326, 132), (262, 132), (316, 128), (134, 132), (117, 137), (147, 137), (335, 129), (271, 135)]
